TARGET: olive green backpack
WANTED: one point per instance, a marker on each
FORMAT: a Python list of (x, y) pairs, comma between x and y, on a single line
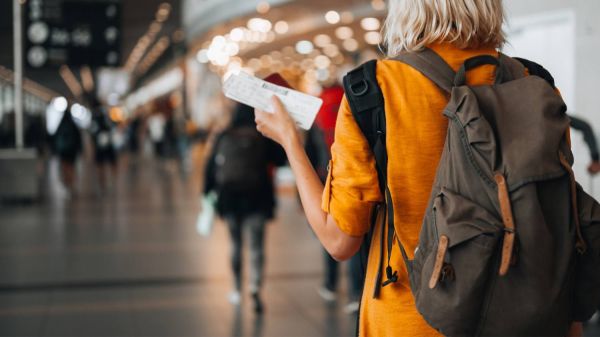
[(510, 243)]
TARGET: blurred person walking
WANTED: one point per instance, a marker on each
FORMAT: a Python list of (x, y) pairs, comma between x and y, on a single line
[(240, 170), (318, 148), (590, 139), (156, 131), (68, 145), (414, 136), (105, 155)]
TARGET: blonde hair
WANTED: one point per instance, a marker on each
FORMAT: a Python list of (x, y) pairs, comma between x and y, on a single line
[(413, 24)]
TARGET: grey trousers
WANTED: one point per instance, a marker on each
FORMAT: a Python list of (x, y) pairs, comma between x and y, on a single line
[(254, 224)]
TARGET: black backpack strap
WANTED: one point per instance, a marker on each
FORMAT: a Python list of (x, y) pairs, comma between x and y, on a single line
[(536, 69), (433, 66), (367, 104)]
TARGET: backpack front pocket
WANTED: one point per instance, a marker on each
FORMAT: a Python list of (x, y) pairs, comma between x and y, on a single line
[(451, 273)]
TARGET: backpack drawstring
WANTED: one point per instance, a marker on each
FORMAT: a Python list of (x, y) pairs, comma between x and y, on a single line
[(580, 245)]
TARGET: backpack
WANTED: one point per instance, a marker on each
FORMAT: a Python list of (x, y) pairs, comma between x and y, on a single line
[(510, 243), (240, 158), (102, 132), (67, 137)]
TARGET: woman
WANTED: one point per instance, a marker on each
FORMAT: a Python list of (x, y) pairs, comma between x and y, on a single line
[(246, 198), (416, 130), (68, 145)]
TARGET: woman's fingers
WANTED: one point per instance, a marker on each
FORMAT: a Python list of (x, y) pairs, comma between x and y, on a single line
[(277, 125), (277, 105)]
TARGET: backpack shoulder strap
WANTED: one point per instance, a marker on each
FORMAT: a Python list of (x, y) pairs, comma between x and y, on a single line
[(430, 64), (367, 104)]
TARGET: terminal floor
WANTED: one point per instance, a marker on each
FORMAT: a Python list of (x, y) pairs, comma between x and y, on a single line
[(130, 263)]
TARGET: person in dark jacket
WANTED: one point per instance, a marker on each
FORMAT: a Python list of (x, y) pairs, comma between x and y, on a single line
[(68, 145), (104, 149), (590, 139), (318, 149), (247, 209)]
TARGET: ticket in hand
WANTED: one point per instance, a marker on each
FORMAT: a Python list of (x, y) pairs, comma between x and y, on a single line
[(257, 93)]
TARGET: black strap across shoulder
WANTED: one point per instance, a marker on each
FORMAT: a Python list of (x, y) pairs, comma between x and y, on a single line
[(368, 108)]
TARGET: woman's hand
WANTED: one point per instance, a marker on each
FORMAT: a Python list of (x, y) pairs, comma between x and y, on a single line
[(278, 126)]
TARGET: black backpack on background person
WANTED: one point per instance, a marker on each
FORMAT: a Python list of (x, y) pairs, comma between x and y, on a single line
[(510, 243), (240, 157)]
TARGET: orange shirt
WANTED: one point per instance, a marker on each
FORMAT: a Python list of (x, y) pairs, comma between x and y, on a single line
[(415, 135)]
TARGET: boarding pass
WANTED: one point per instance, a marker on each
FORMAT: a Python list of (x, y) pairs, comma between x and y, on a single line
[(257, 93)]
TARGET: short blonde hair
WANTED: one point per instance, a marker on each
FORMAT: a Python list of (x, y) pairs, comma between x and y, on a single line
[(413, 24)]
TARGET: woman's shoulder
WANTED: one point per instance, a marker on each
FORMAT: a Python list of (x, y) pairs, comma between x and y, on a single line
[(387, 72), (397, 72)]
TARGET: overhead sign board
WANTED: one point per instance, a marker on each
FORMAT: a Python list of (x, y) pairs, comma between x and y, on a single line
[(72, 32)]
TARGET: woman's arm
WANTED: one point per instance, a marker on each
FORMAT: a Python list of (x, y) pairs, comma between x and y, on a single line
[(281, 128)]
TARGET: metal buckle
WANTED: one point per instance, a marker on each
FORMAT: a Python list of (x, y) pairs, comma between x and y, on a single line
[(362, 91)]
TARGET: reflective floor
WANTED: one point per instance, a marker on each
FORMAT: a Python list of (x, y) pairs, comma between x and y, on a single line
[(130, 263)]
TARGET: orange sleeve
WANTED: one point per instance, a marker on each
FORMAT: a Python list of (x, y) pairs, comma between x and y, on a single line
[(351, 190)]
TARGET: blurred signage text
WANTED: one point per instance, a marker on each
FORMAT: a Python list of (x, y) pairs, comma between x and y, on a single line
[(72, 32)]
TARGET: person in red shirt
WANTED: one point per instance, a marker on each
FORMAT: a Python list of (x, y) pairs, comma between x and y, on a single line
[(318, 148)]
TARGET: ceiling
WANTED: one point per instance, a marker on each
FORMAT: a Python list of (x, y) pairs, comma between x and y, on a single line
[(305, 17), (136, 18)]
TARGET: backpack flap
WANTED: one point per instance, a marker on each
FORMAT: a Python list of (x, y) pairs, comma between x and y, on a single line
[(530, 129)]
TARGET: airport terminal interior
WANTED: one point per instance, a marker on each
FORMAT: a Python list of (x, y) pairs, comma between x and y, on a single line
[(109, 112)]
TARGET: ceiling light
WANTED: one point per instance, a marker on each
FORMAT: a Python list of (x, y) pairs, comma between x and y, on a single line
[(370, 23), (232, 48), (266, 61), (263, 7), (236, 34), (254, 63), (304, 47), (281, 27), (276, 54), (344, 32), (307, 64), (332, 17), (322, 40), (378, 5), (60, 104), (350, 45), (322, 61), (218, 42), (259, 25), (331, 50), (373, 38)]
